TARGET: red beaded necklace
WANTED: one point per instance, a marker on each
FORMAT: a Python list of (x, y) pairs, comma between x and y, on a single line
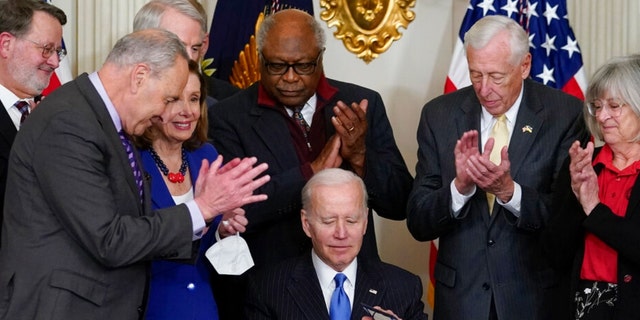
[(174, 177)]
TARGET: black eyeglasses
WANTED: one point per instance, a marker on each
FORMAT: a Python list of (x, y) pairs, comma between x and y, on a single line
[(301, 68), (48, 49)]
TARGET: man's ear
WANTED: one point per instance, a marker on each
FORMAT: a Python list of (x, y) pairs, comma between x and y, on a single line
[(7, 41), (140, 74), (205, 46), (305, 222)]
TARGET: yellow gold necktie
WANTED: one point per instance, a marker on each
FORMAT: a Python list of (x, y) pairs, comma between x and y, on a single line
[(500, 134)]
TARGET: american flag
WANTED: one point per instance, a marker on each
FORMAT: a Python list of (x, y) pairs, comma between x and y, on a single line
[(556, 56)]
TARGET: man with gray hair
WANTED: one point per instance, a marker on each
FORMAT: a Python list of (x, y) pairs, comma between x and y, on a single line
[(188, 20), (31, 50), (78, 231), (300, 122), (489, 207), (331, 279)]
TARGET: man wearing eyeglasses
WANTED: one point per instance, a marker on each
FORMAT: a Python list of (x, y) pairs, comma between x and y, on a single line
[(30, 51), (300, 122)]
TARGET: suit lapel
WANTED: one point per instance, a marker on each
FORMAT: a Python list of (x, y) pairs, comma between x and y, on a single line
[(102, 115), (7, 128), (526, 128), (306, 292), (270, 127), (370, 288)]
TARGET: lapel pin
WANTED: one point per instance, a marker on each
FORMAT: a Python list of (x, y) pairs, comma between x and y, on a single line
[(527, 128), (373, 291)]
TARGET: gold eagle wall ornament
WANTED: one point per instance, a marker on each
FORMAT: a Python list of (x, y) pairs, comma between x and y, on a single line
[(246, 70), (367, 28)]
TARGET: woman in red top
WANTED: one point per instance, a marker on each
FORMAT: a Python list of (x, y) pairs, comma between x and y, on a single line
[(595, 232)]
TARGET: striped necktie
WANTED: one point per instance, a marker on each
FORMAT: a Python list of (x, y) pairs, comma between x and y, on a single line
[(132, 161), (23, 107)]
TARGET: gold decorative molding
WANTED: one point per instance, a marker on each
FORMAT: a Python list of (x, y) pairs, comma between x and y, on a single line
[(367, 28)]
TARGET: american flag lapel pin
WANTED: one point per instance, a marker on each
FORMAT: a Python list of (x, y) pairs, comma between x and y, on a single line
[(527, 129)]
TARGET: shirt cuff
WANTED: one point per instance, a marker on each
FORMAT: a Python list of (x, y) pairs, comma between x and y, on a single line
[(197, 221), (514, 205), (458, 200)]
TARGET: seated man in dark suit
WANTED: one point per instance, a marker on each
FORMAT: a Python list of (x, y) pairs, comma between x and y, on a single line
[(299, 122), (334, 215)]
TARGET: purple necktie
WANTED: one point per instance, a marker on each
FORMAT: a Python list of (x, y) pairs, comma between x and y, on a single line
[(132, 160), (23, 107)]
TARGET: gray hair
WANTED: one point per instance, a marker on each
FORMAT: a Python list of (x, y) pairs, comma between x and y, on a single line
[(488, 27), (331, 177), (155, 47), (150, 14), (270, 20), (620, 77), (16, 16)]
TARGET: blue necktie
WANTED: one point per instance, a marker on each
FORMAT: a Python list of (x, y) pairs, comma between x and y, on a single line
[(137, 174), (340, 307)]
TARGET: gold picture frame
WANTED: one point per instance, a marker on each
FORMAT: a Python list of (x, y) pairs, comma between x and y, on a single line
[(367, 28)]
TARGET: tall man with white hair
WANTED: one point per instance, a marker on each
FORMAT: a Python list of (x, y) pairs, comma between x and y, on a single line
[(488, 158)]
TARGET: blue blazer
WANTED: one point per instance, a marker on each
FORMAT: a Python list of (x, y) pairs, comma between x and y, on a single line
[(180, 290)]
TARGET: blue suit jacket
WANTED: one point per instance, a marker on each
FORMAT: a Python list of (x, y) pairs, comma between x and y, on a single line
[(479, 255), (290, 290), (180, 290)]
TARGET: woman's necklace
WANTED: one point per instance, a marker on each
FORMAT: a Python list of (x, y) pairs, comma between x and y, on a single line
[(177, 177)]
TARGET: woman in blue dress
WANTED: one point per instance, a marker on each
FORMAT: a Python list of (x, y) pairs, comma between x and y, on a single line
[(172, 151)]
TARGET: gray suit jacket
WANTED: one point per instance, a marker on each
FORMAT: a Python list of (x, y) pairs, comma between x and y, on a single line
[(290, 290), (481, 255), (76, 236)]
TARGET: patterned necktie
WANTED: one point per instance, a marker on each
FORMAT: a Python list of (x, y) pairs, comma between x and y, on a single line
[(132, 161), (297, 115), (500, 134), (340, 307), (23, 107)]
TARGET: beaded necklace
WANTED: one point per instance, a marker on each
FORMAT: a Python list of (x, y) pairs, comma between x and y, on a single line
[(177, 177)]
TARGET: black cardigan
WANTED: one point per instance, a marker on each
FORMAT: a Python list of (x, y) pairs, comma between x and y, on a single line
[(563, 240)]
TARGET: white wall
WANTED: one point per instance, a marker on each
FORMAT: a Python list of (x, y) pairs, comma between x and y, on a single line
[(409, 74)]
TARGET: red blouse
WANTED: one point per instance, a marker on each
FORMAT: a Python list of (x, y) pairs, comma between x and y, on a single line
[(600, 261)]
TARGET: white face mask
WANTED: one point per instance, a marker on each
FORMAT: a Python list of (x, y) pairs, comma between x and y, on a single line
[(230, 256)]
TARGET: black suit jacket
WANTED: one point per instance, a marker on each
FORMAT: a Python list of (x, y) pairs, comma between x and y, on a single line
[(7, 135), (290, 290), (220, 89), (240, 127), (481, 257), (76, 237)]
